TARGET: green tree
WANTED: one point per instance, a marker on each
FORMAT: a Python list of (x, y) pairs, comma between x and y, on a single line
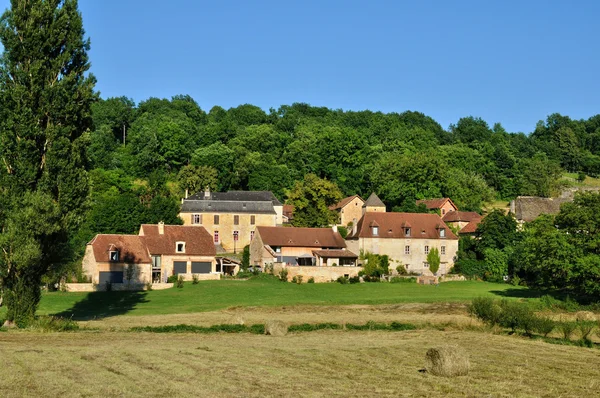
[(433, 258), (312, 198), (45, 111), (197, 178), (497, 231)]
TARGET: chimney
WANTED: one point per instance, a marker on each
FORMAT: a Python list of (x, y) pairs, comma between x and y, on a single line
[(161, 228), (354, 227), (334, 228), (207, 193), (186, 193)]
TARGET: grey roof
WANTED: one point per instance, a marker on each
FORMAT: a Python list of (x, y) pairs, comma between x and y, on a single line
[(374, 201), (239, 196), (528, 208), (226, 206)]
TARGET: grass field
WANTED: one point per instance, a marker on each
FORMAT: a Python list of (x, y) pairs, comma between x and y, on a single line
[(216, 295), (320, 364)]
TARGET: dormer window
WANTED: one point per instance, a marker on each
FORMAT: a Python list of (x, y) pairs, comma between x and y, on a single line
[(113, 255), (407, 232), (375, 231), (180, 247), (442, 232)]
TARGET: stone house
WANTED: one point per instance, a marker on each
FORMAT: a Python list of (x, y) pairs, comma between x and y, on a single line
[(460, 219), (349, 209), (406, 238), (158, 252), (296, 246), (373, 204), (231, 217), (444, 205)]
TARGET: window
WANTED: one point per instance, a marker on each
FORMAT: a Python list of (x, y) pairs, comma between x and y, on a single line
[(236, 235), (216, 221), (277, 249), (236, 220), (114, 256), (251, 235), (196, 218), (442, 250), (443, 211), (442, 232), (375, 231), (252, 220), (180, 247), (425, 264), (406, 232), (216, 236), (406, 249), (426, 249)]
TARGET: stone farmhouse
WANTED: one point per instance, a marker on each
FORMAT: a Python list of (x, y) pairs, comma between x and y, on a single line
[(444, 205), (406, 238), (459, 220), (158, 252), (231, 218), (373, 204), (349, 209)]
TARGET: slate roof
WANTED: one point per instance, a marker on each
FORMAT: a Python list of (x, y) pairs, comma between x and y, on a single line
[(345, 201), (132, 248), (256, 202), (457, 216), (374, 201), (198, 242), (334, 253), (391, 225), (301, 237), (435, 203)]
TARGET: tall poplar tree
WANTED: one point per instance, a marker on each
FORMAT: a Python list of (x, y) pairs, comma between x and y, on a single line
[(45, 102)]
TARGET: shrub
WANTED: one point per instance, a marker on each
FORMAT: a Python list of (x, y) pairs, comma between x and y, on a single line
[(515, 280), (515, 315), (309, 327), (343, 231), (447, 361), (581, 176), (544, 326), (243, 274), (567, 328), (342, 279), (310, 280), (398, 279), (401, 270), (402, 326), (283, 275), (54, 324), (172, 279), (354, 279), (585, 328), (486, 310), (195, 279), (179, 282), (297, 279), (334, 265)]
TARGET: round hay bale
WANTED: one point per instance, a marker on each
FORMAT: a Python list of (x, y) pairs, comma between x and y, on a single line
[(583, 316), (9, 325), (276, 328), (447, 361)]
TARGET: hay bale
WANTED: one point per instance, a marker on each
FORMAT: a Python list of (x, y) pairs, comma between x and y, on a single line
[(585, 316), (276, 328), (447, 361)]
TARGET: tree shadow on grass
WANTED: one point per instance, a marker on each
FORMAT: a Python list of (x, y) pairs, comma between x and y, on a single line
[(98, 305), (519, 293)]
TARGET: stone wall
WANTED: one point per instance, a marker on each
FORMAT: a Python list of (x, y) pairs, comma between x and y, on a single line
[(320, 274), (92, 287)]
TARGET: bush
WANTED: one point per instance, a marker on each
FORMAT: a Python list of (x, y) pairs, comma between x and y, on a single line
[(195, 279), (401, 270), (581, 176), (342, 279), (334, 265), (172, 279), (343, 231), (297, 279), (310, 280), (544, 326), (309, 327), (586, 328), (397, 279), (515, 315), (243, 274), (54, 324), (486, 309), (179, 282), (283, 275), (354, 279), (567, 328)]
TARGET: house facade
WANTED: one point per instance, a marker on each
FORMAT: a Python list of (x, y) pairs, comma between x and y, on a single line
[(406, 238), (349, 209), (444, 205), (373, 205), (231, 217), (158, 252)]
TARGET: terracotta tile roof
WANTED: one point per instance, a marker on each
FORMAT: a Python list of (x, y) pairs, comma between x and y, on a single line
[(301, 237), (391, 225), (456, 216), (344, 202), (470, 228), (132, 248), (288, 211), (197, 240), (435, 203), (335, 253), (374, 201)]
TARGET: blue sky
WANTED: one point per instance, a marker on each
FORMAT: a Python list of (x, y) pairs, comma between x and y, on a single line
[(512, 62)]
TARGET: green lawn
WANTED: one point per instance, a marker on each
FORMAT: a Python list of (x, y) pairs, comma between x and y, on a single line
[(216, 295)]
